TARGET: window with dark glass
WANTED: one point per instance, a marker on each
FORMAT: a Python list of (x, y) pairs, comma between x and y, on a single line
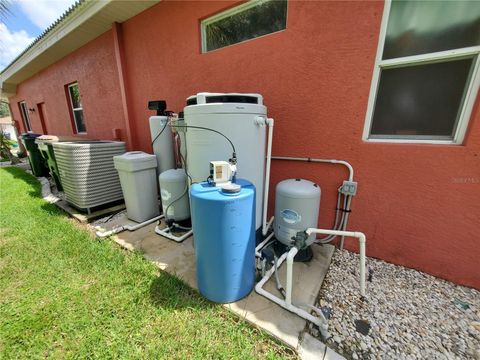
[(426, 73), (248, 21), (76, 107), (25, 117)]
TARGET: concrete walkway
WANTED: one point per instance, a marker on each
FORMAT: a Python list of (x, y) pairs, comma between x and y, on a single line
[(179, 260)]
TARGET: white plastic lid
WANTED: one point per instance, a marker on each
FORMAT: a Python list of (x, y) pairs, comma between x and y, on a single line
[(231, 188), (135, 161)]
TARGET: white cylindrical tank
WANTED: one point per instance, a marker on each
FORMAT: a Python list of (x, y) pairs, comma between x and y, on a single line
[(162, 142), (174, 194), (240, 117), (297, 204)]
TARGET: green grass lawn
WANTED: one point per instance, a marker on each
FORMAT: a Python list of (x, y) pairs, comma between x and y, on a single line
[(65, 294)]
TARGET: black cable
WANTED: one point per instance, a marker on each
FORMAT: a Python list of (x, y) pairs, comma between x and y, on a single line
[(325, 352), (195, 127), (160, 133), (326, 347), (174, 201), (215, 131)]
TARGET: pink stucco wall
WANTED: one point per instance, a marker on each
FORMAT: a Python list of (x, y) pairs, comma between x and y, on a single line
[(93, 67), (419, 205)]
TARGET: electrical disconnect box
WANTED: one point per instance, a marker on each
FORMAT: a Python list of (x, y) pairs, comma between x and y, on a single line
[(349, 188)]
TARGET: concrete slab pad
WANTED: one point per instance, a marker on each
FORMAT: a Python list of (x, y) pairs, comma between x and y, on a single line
[(179, 259), (84, 217), (312, 349)]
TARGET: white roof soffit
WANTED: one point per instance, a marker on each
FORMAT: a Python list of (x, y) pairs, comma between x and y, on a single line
[(88, 21)]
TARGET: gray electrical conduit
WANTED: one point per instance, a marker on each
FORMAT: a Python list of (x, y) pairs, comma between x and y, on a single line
[(343, 223), (336, 225)]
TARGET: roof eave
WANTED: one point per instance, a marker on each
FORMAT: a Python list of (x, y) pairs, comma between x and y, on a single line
[(87, 21)]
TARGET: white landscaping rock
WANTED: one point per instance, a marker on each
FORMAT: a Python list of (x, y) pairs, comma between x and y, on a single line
[(411, 315), (312, 349)]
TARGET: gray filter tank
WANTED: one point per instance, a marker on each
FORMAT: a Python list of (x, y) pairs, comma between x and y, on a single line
[(297, 203), (174, 194)]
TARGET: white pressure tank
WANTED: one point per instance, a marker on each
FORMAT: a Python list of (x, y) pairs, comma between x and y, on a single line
[(174, 194), (162, 143), (240, 117), (297, 204)]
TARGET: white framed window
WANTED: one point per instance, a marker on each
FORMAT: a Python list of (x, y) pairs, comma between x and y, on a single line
[(75, 101), (426, 75), (25, 117), (253, 19)]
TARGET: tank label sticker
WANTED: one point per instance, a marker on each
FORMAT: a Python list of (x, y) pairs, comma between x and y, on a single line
[(165, 195), (290, 216)]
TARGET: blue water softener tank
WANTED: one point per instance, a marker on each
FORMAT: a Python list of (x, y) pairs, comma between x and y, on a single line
[(223, 222)]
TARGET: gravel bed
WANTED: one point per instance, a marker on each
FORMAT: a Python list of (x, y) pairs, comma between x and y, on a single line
[(54, 189), (407, 314)]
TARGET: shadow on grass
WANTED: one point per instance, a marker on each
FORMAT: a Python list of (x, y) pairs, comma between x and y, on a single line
[(166, 291), (31, 180), (170, 292), (35, 190)]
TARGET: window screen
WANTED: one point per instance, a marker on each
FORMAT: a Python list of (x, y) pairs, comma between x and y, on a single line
[(25, 116)]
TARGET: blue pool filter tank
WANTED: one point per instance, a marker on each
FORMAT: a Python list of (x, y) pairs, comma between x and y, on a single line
[(224, 235)]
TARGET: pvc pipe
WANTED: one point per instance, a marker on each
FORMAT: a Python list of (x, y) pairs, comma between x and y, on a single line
[(319, 321), (288, 291), (330, 161), (329, 238), (166, 233), (270, 123), (103, 234), (262, 244), (181, 227), (270, 222), (362, 242)]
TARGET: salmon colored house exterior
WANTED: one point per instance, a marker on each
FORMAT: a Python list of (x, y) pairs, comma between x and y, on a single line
[(418, 204)]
